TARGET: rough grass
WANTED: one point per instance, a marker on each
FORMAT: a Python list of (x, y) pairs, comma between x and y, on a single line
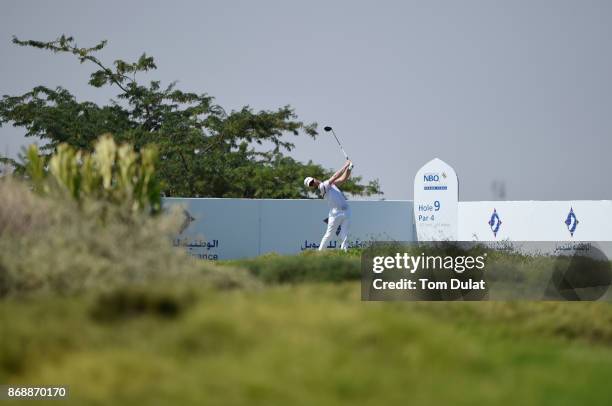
[(306, 267), (312, 344), (107, 306), (50, 246)]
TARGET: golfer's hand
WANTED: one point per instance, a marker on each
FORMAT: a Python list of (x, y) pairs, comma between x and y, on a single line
[(350, 167)]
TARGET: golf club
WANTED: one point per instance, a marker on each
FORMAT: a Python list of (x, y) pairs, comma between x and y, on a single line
[(328, 129)]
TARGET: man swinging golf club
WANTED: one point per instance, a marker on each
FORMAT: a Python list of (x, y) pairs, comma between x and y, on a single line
[(339, 210)]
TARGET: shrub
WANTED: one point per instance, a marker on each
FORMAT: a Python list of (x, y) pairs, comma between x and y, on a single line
[(52, 245), (112, 173)]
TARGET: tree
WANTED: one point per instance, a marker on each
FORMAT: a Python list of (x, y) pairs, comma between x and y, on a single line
[(204, 151)]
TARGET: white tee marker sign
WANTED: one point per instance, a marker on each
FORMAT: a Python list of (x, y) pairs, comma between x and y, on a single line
[(436, 207)]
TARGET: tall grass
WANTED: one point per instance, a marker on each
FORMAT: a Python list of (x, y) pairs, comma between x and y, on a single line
[(112, 174), (61, 246)]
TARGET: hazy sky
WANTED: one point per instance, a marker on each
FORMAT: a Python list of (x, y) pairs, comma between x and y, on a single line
[(518, 91)]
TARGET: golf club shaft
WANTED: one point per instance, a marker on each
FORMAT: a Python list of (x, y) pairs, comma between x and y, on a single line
[(338, 141)]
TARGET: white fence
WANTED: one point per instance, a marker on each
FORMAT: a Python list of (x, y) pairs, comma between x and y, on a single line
[(590, 220), (238, 228)]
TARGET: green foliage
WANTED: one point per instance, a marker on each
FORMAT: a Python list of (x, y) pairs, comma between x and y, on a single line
[(313, 344), (112, 174), (204, 150), (134, 301), (51, 246), (123, 317), (307, 267)]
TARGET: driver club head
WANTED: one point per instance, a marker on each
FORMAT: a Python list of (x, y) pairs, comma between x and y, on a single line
[(327, 128)]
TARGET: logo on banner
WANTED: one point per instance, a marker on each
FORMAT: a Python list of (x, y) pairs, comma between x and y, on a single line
[(187, 220), (571, 222), (432, 181), (495, 222)]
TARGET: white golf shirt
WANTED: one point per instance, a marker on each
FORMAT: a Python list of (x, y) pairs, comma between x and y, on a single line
[(335, 198)]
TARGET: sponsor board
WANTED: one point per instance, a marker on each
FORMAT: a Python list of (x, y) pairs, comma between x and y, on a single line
[(436, 194)]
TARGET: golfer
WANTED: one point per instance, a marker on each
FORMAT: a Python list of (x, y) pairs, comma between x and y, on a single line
[(339, 210)]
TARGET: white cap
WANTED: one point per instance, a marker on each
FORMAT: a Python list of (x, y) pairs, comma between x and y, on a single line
[(308, 180)]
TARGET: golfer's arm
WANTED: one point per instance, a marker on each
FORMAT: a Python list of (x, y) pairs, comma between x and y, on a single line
[(337, 175), (344, 177)]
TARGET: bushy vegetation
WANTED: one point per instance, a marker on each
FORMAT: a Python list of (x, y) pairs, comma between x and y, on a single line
[(60, 247), (113, 174), (93, 295), (307, 267)]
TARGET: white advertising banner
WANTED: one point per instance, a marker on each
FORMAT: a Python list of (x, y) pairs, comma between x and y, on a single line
[(436, 195), (291, 226), (215, 229), (239, 228), (579, 220)]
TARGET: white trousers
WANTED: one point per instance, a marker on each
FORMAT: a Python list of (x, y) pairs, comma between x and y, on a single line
[(337, 219)]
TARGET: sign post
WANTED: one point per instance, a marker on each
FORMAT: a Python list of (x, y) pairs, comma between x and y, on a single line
[(436, 206)]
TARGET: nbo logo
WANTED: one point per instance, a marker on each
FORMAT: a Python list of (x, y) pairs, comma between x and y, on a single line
[(431, 177)]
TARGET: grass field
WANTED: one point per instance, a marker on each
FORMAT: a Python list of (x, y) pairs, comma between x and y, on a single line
[(103, 303), (311, 343)]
